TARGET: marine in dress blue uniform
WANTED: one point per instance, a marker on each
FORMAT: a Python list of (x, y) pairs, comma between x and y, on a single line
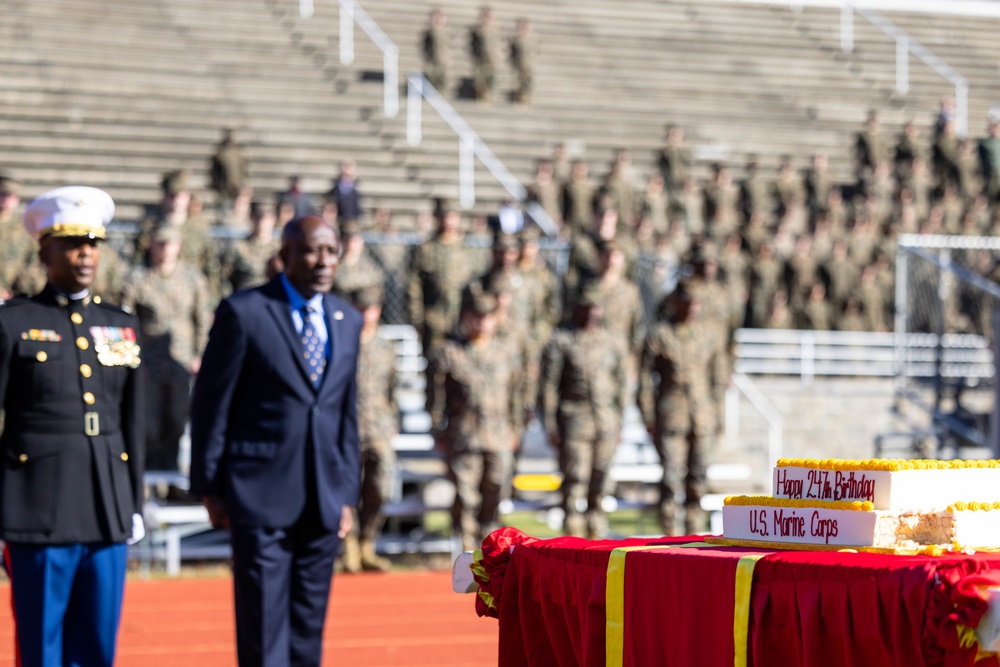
[(71, 451)]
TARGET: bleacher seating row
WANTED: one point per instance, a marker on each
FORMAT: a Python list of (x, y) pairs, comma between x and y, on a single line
[(108, 94)]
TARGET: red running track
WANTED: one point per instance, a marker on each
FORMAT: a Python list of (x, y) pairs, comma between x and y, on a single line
[(408, 619)]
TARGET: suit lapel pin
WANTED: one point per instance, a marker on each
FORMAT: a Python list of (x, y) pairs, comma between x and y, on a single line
[(338, 315)]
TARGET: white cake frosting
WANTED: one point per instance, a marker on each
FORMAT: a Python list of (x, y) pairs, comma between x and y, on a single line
[(881, 529), (889, 490)]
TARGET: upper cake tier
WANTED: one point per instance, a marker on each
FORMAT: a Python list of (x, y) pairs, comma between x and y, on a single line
[(890, 484)]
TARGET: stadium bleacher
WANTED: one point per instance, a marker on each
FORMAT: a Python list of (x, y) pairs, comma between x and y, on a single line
[(114, 94)]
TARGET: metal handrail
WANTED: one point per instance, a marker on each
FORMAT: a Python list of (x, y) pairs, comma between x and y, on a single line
[(470, 146), (906, 45), (350, 13), (775, 423)]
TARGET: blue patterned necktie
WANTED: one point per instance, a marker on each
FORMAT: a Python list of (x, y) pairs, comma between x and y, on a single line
[(312, 348)]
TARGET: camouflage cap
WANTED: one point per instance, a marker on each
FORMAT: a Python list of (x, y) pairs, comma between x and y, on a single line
[(607, 246), (701, 253), (482, 304), (529, 234), (165, 233), (503, 241), (589, 296), (442, 206), (264, 204), (8, 184), (674, 301), (350, 228), (176, 181), (367, 297)]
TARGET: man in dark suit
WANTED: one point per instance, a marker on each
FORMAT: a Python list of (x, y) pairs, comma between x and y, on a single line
[(71, 453), (274, 440)]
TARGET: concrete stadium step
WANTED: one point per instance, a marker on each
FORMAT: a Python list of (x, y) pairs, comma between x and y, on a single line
[(749, 78)]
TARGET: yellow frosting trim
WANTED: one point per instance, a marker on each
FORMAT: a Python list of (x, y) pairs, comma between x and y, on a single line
[(888, 465), (973, 507), (770, 501)]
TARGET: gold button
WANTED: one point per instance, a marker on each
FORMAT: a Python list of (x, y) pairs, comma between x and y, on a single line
[(22, 458), (76, 318), (41, 356), (97, 299), (82, 343), (124, 456), (88, 398), (85, 370)]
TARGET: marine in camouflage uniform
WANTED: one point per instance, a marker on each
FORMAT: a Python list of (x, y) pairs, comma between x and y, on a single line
[(484, 47), (585, 254), (989, 157), (755, 194), (546, 191), (734, 274), (473, 428), (841, 276), (357, 270), (618, 191), (227, 170), (377, 426), (543, 308), (171, 301), (179, 208), (766, 272), (522, 58), (715, 310), (816, 313), (722, 199), (246, 265), (674, 160), (440, 268), (578, 200), (437, 51), (619, 301), (869, 147), (676, 403), (16, 246), (517, 313), (582, 402)]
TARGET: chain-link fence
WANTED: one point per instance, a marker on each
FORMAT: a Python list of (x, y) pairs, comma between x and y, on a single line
[(947, 302), (394, 253)]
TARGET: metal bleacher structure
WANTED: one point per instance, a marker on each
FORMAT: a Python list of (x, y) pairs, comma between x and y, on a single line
[(110, 94)]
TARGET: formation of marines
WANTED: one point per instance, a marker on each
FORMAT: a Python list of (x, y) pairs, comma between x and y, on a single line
[(642, 308)]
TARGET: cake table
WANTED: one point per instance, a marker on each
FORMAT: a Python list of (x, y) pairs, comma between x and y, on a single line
[(682, 602)]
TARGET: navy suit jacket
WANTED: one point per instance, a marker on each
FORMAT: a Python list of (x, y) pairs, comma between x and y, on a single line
[(255, 416)]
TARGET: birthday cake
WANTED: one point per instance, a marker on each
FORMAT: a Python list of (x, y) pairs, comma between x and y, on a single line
[(885, 505)]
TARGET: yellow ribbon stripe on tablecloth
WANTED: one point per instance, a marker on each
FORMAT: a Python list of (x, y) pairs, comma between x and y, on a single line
[(741, 610), (614, 633)]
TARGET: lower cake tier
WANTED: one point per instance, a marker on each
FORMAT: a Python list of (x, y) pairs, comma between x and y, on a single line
[(954, 528)]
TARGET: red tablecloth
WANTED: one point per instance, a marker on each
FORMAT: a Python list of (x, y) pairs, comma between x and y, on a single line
[(806, 608)]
